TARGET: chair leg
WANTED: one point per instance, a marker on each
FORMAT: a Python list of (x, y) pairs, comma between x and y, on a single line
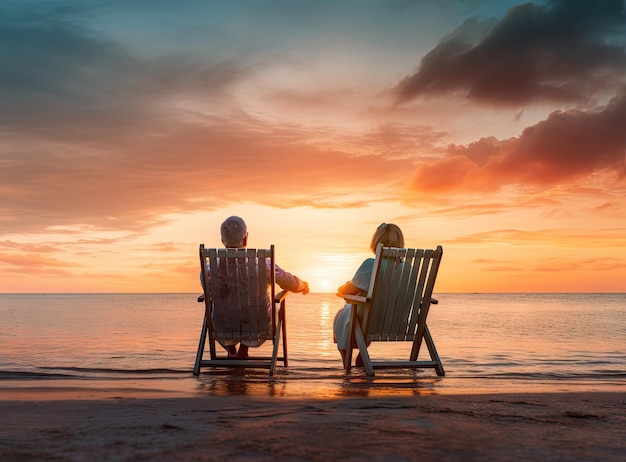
[(283, 316), (347, 359), (365, 356), (203, 334), (275, 346), (430, 344), (210, 335)]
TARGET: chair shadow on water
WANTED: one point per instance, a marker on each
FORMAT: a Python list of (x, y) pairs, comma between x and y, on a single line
[(329, 383), (241, 382)]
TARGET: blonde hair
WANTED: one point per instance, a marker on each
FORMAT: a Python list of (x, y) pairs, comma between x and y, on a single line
[(387, 234)]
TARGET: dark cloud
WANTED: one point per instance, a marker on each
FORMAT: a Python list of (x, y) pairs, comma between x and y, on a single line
[(564, 51), (55, 64), (61, 81), (563, 148)]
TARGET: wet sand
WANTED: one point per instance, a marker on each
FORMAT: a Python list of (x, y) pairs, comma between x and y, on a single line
[(586, 426)]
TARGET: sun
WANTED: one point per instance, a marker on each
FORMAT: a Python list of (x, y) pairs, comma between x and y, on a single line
[(323, 279), (324, 286)]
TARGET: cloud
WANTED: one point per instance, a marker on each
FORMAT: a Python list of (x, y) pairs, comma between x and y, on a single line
[(563, 148), (191, 167), (34, 264), (61, 81), (96, 137), (564, 51), (551, 265), (585, 264), (19, 257), (10, 246), (597, 238)]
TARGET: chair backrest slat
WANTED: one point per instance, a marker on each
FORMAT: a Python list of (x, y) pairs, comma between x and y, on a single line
[(237, 281), (409, 292), (383, 284), (260, 319), (385, 313), (424, 269), (251, 277), (433, 267), (231, 281), (404, 282), (396, 311)]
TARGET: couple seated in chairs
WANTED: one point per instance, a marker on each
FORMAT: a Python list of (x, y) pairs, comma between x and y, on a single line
[(387, 300)]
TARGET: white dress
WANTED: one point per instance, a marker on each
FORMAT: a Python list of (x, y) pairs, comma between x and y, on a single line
[(341, 323)]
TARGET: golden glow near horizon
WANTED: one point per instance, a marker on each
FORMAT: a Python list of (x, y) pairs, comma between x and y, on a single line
[(125, 153)]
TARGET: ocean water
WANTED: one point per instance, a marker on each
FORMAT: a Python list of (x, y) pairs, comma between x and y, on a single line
[(91, 345)]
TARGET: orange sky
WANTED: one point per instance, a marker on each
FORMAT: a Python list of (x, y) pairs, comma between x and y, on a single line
[(493, 128)]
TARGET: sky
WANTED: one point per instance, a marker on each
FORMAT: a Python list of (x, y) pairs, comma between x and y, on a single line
[(130, 129)]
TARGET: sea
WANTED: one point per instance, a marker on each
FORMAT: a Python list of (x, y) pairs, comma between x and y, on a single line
[(89, 346)]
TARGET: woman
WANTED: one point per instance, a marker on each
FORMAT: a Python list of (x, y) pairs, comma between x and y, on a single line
[(387, 234)]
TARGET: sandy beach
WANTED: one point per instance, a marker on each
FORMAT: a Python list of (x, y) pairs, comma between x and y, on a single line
[(523, 426)]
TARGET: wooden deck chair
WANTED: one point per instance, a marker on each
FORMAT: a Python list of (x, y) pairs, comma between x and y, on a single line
[(396, 307), (236, 299)]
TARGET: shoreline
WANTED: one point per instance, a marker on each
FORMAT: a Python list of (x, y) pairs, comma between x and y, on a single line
[(492, 426), (292, 384)]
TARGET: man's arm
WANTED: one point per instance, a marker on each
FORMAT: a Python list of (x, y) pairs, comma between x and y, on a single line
[(288, 281)]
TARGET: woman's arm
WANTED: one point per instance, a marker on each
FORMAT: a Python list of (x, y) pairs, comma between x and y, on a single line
[(361, 277), (349, 289)]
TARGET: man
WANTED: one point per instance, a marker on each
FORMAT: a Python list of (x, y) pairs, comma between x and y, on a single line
[(235, 235)]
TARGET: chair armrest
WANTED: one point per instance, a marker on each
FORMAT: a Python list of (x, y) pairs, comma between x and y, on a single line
[(281, 296), (201, 298), (353, 298)]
